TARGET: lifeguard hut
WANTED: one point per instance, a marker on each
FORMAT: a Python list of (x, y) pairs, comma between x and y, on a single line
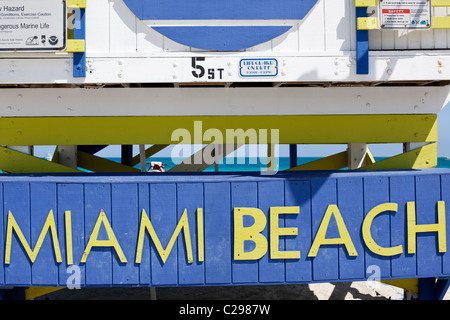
[(83, 75)]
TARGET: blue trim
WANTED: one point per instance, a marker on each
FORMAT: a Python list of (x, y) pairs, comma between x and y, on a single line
[(430, 289), (79, 58), (362, 45)]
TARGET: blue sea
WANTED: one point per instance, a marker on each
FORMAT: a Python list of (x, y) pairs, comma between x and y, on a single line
[(255, 164)]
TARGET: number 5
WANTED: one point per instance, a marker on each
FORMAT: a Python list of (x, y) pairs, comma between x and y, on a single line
[(201, 71)]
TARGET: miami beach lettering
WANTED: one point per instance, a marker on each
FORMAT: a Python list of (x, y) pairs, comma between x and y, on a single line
[(261, 244)]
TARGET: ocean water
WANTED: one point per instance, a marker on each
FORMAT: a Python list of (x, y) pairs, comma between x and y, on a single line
[(255, 164)]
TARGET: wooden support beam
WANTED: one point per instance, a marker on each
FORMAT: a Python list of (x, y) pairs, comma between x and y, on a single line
[(333, 162), (148, 153), (326, 129), (424, 157), (18, 162), (97, 164)]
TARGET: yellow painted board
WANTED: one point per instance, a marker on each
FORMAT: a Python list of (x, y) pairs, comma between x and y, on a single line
[(440, 3), (424, 157), (411, 285), (167, 130), (366, 3), (77, 4), (98, 164), (440, 22), (333, 162), (75, 45), (17, 162), (367, 23), (35, 292)]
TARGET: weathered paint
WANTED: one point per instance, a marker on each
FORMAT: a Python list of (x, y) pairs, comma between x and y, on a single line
[(227, 229)]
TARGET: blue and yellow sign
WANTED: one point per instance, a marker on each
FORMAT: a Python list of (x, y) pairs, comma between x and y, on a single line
[(210, 229)]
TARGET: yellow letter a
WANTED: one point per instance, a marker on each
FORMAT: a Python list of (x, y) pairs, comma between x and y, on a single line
[(321, 233)]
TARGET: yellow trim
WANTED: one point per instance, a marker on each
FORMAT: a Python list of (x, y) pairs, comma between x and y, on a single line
[(77, 4), (440, 3), (75, 45), (424, 157), (327, 129), (366, 3), (440, 22), (35, 292), (369, 23)]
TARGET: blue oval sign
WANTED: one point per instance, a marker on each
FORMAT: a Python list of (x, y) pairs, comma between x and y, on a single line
[(223, 25)]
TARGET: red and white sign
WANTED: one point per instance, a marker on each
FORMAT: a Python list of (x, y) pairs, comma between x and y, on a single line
[(396, 14)]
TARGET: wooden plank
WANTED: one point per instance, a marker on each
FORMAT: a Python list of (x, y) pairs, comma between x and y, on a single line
[(218, 231), (424, 157), (99, 262), (18, 162), (124, 199), (402, 190), (326, 262), (351, 206), (333, 162), (2, 236), (42, 200), (445, 196), (139, 130), (71, 198), (428, 259), (144, 204), (271, 194), (17, 201), (244, 194), (163, 215), (190, 198), (99, 164), (376, 192), (297, 193)]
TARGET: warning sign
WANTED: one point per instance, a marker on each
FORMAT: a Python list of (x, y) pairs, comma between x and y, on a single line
[(32, 25), (401, 14)]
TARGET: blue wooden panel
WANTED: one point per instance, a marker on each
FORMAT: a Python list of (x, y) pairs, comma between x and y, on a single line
[(325, 264), (17, 200), (2, 236), (124, 221), (71, 198), (271, 194), (351, 207), (144, 204), (122, 198), (402, 190), (99, 262), (298, 193), (245, 194), (427, 195), (362, 44), (163, 215), (221, 37), (445, 196), (218, 233), (376, 191), (190, 198), (42, 200)]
